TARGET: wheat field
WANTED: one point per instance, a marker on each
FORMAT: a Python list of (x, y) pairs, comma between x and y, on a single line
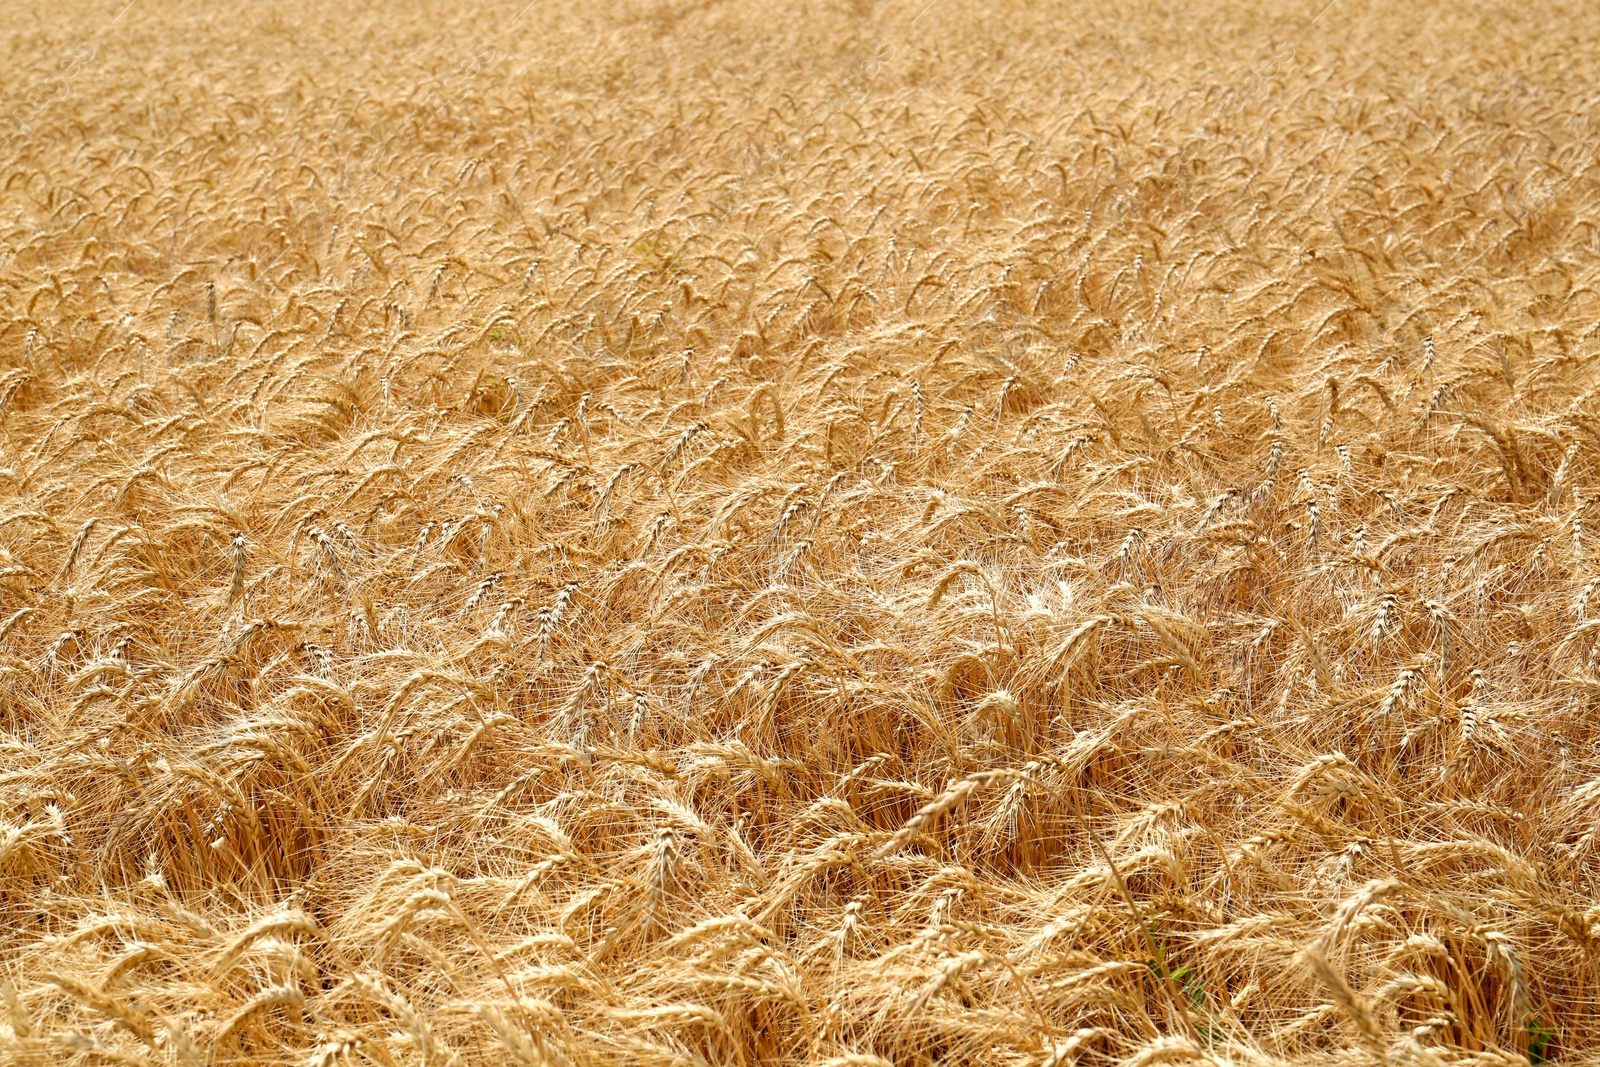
[(859, 533)]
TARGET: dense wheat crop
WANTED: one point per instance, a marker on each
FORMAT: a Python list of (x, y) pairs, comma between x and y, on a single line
[(852, 533)]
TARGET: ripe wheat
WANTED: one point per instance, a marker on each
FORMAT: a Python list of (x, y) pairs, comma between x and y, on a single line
[(864, 534)]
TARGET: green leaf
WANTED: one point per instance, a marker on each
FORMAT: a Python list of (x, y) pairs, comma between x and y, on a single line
[(1539, 1037)]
